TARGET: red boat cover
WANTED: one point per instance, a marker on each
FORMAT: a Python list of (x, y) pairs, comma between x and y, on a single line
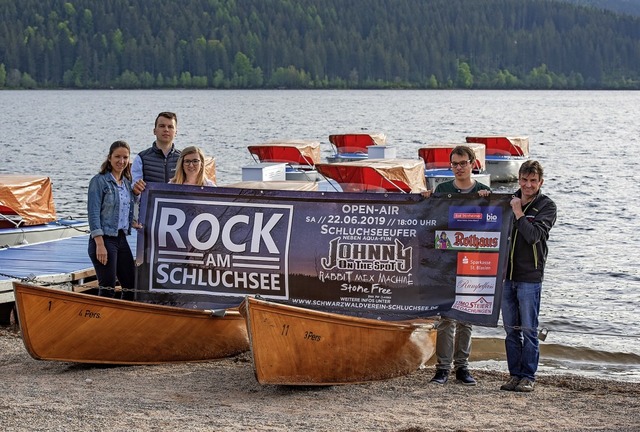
[(376, 175), (26, 200), (294, 152), (356, 142), (437, 156), (503, 146)]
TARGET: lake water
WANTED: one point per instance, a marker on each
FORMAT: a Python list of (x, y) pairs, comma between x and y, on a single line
[(587, 142)]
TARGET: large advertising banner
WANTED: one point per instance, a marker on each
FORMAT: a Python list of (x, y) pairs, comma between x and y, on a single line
[(387, 256)]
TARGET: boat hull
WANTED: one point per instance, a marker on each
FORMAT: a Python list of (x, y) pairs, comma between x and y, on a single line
[(296, 346), (347, 157), (301, 175), (40, 233), (504, 169), (74, 327), (435, 177)]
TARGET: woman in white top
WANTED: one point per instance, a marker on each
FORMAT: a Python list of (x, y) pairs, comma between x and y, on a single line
[(190, 168)]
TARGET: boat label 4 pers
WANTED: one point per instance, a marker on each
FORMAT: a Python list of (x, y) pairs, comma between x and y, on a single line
[(67, 326)]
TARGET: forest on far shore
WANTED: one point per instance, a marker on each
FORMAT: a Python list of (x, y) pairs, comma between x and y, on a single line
[(316, 44)]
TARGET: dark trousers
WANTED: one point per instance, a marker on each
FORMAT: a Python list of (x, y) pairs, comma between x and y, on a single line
[(119, 265)]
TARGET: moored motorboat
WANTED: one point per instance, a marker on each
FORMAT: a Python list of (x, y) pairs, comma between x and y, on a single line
[(504, 155), (27, 212), (377, 175), (298, 346), (354, 146), (436, 159), (68, 326), (300, 156), (291, 185), (29, 234)]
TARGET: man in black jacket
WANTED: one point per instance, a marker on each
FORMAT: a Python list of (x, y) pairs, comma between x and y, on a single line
[(534, 216)]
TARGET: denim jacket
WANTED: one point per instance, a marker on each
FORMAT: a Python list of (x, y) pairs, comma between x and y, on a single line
[(103, 205)]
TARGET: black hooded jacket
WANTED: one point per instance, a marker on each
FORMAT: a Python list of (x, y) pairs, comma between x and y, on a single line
[(529, 235)]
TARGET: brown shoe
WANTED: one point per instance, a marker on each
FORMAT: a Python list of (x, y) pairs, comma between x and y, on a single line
[(511, 384), (525, 385)]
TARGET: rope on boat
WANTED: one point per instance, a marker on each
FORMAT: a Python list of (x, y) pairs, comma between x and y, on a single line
[(84, 231), (544, 331), (11, 220), (31, 278), (18, 224)]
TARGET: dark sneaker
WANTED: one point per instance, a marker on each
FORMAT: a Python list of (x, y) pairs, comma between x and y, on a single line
[(464, 377), (511, 384), (441, 376), (525, 385)]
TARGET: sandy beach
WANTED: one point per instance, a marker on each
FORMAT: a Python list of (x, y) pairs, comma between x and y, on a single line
[(224, 396)]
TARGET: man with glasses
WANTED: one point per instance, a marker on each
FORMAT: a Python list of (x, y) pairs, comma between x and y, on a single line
[(534, 216), (453, 344), (158, 162)]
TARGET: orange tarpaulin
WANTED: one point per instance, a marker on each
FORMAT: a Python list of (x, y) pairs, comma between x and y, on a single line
[(295, 152), (26, 200), (210, 169), (392, 175)]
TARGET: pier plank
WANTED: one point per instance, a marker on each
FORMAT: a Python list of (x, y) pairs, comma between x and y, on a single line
[(58, 261)]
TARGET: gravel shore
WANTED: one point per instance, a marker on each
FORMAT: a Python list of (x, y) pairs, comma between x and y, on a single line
[(224, 396)]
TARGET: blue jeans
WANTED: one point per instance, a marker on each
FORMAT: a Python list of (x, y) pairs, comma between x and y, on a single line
[(520, 309), (120, 264)]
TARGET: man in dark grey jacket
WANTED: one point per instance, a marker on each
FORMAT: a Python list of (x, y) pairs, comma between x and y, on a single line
[(534, 216)]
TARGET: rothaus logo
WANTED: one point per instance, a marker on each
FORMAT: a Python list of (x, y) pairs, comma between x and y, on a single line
[(393, 257), (468, 240), (476, 240), (220, 247)]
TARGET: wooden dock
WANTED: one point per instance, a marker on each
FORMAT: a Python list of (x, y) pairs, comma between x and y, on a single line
[(63, 261)]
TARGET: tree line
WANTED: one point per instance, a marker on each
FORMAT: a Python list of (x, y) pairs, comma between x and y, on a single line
[(630, 7), (506, 44)]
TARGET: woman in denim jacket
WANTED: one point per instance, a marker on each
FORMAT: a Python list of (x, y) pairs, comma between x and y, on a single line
[(110, 210)]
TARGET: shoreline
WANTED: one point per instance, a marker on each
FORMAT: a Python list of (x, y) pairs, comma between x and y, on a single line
[(224, 395)]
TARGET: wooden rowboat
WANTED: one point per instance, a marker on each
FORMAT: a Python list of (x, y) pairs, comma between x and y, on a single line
[(67, 326), (296, 346)]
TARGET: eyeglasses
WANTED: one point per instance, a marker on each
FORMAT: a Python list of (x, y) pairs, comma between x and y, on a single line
[(462, 164), (191, 161)]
